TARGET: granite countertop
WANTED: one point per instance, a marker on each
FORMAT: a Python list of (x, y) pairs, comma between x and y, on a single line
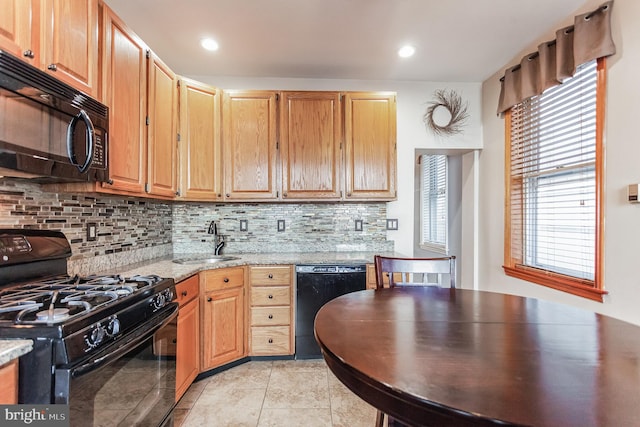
[(165, 267), (12, 349)]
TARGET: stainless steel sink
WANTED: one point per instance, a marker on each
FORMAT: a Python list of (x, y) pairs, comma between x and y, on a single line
[(205, 260)]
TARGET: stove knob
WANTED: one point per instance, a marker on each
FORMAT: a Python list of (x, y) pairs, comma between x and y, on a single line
[(96, 336), (169, 294), (159, 301), (113, 328)]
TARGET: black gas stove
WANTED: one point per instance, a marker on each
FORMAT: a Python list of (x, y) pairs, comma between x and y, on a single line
[(84, 328)]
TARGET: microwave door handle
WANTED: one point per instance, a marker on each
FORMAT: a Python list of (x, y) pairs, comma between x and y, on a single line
[(82, 115)]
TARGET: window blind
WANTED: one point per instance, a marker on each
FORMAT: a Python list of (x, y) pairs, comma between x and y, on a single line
[(434, 202), (553, 177)]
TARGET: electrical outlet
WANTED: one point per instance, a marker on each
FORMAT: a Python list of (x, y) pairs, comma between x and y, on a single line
[(281, 225), (392, 224), (244, 225), (92, 232), (358, 225)]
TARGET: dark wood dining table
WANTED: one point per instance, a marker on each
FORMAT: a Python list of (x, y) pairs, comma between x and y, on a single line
[(432, 356)]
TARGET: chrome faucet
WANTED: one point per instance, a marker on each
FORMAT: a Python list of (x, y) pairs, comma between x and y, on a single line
[(213, 229)]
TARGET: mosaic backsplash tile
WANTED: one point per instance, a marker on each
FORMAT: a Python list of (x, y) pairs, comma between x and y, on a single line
[(140, 227), (144, 229), (308, 227)]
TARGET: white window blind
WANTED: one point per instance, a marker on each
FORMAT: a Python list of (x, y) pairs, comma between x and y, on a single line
[(553, 178), (434, 222)]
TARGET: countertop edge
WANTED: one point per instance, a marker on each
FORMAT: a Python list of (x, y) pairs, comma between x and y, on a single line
[(11, 349)]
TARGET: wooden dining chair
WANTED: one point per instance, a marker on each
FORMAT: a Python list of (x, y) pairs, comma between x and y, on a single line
[(392, 272)]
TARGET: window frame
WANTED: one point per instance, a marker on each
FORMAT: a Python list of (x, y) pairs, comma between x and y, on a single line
[(434, 246), (591, 289)]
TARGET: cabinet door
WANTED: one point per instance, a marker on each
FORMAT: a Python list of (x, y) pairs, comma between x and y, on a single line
[(16, 29), (249, 145), (162, 160), (124, 86), (200, 154), (310, 131), (223, 327), (188, 347), (69, 42), (370, 138)]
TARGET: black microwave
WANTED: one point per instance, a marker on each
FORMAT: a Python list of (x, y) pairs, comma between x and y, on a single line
[(49, 131)]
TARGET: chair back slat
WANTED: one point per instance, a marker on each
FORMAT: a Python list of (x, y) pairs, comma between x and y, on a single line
[(415, 271)]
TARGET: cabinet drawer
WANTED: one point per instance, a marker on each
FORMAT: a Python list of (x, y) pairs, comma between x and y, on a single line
[(187, 290), (270, 340), (270, 275), (223, 278), (270, 295), (269, 316)]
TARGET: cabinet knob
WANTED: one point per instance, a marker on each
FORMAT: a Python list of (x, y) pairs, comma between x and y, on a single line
[(225, 280), (271, 316), (270, 296), (270, 340), (284, 194), (174, 341), (270, 276), (227, 195), (184, 293), (209, 299), (52, 67), (348, 194), (28, 54)]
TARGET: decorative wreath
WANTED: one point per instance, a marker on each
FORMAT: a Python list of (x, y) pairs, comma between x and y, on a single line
[(456, 108)]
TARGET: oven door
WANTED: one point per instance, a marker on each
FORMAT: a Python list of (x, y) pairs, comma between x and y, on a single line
[(130, 383)]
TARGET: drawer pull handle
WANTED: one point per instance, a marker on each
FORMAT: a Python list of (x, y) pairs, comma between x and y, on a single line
[(271, 316), (270, 276), (226, 280), (209, 299), (184, 293), (270, 296), (270, 340)]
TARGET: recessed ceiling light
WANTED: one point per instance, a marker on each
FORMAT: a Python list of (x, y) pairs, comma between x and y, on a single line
[(406, 51), (209, 44)]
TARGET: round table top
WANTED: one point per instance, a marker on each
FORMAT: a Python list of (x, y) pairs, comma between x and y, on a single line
[(440, 356)]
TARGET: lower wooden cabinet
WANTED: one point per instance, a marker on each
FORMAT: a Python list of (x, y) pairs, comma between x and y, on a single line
[(188, 345), (271, 311), (9, 381), (223, 332)]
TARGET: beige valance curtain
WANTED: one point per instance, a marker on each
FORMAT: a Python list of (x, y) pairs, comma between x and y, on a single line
[(556, 60)]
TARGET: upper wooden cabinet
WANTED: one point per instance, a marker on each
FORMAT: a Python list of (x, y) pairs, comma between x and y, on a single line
[(370, 140), (58, 36), (16, 32), (124, 87), (69, 42), (162, 122), (200, 154), (310, 133), (249, 145)]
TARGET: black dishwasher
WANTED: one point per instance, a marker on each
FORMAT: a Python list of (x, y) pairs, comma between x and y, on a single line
[(317, 285)]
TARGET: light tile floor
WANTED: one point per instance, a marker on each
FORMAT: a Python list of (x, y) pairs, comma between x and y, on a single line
[(273, 393)]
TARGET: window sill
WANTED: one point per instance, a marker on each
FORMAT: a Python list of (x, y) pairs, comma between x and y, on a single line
[(556, 281)]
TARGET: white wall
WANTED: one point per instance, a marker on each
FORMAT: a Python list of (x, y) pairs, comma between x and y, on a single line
[(413, 99), (622, 220)]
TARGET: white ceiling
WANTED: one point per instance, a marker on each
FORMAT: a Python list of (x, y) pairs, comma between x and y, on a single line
[(455, 40)]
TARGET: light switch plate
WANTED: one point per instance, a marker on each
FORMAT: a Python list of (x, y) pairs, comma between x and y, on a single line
[(281, 225), (392, 223), (244, 225), (92, 232), (358, 225)]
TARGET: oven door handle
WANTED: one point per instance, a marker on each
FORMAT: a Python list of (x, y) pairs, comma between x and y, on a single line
[(141, 334)]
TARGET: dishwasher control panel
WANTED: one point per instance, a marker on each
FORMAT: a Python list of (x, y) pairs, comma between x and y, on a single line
[(331, 268)]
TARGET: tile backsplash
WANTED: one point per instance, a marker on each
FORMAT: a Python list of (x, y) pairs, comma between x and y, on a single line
[(140, 227), (144, 229), (308, 227)]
